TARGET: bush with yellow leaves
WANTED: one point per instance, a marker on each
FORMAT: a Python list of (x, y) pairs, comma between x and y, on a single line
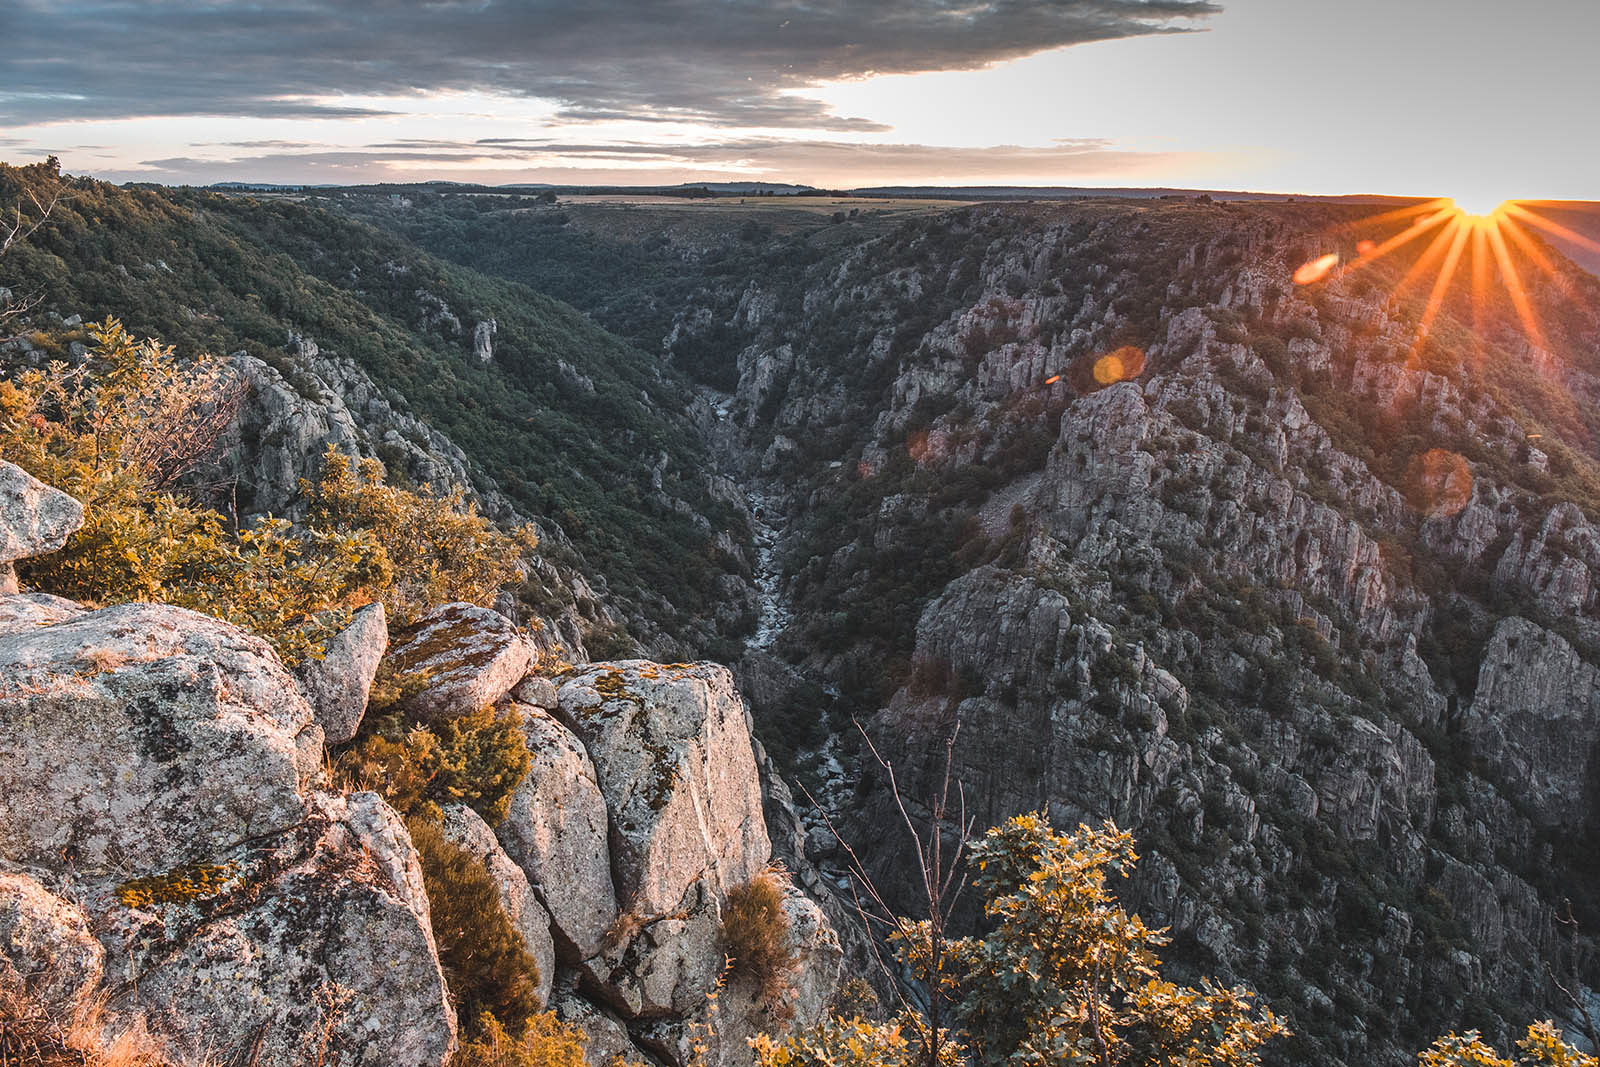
[(438, 548), (119, 432), (545, 1042), (1543, 1047), (477, 759)]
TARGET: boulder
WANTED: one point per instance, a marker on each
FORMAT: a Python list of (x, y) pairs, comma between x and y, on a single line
[(470, 656), (142, 737), (466, 829), (311, 945), (536, 691), (556, 831), (22, 612), (667, 969), (817, 954), (46, 948), (742, 1010), (672, 756), (337, 685), (608, 1042), (34, 520)]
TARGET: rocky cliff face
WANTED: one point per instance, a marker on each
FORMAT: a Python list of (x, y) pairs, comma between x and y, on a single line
[(1305, 602), (169, 842)]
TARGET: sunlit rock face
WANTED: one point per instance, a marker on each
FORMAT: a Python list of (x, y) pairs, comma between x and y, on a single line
[(1249, 565), (170, 850), (164, 776), (34, 519)]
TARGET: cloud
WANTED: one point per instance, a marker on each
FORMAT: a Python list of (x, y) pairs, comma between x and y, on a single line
[(731, 63), (819, 162)]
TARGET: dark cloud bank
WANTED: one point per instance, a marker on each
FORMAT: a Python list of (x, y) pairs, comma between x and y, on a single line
[(724, 62)]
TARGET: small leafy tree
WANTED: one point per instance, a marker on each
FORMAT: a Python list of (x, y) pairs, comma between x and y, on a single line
[(29, 195), (122, 430), (116, 433), (1543, 1047), (1066, 977)]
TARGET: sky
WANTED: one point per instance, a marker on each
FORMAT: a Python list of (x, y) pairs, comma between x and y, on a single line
[(1481, 100)]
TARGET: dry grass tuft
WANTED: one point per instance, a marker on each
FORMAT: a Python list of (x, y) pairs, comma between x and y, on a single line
[(755, 935), (33, 1036)]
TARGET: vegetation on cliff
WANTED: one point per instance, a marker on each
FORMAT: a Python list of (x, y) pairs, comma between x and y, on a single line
[(565, 420), (120, 430)]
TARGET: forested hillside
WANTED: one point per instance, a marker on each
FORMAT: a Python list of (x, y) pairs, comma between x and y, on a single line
[(1291, 570), (573, 426), (1297, 588)]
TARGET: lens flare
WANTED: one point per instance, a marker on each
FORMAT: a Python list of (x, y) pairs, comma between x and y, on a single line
[(1119, 366), (1439, 483), (1478, 207), (1316, 270), (1475, 237)]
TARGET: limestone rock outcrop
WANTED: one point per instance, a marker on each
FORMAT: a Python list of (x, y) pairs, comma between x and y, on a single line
[(314, 939), (641, 810), (557, 831), (163, 768), (470, 657), (337, 685), (34, 519), (143, 737), (672, 756), (1535, 717)]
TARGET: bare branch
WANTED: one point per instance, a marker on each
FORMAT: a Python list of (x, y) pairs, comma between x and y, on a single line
[(1571, 989), (22, 227)]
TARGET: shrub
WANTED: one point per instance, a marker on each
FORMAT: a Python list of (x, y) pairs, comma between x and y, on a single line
[(438, 547), (545, 1042), (115, 433), (486, 965), (1064, 975), (1543, 1047), (477, 759), (120, 431), (755, 935)]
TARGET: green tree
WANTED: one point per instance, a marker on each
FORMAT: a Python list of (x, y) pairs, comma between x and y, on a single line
[(1069, 977), (438, 547), (1065, 977)]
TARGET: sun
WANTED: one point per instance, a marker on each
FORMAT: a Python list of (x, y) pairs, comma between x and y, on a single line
[(1484, 235), (1479, 206)]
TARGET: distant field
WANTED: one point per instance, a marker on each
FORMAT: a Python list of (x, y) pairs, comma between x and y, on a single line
[(810, 204), (631, 217)]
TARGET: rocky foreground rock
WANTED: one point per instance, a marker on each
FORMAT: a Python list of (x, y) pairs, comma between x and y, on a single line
[(169, 843)]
